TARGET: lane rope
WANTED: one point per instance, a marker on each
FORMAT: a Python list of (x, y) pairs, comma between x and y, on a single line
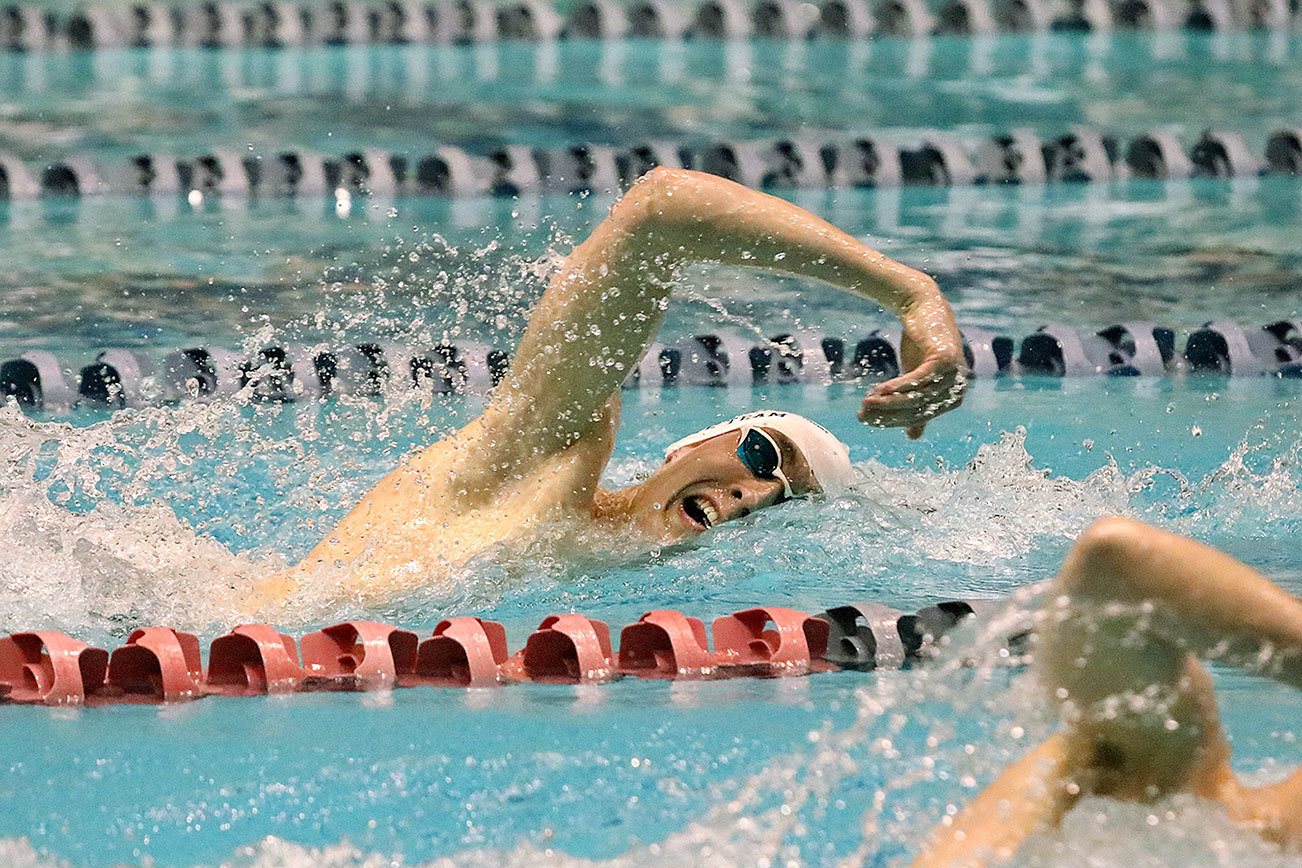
[(160, 664), (883, 159), (277, 24), (39, 380)]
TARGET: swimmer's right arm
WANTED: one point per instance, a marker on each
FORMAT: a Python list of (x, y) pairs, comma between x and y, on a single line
[(604, 307)]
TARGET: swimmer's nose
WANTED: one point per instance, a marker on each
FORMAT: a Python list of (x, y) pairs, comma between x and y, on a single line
[(750, 498)]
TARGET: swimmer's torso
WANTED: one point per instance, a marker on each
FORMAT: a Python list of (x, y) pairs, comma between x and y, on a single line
[(441, 508)]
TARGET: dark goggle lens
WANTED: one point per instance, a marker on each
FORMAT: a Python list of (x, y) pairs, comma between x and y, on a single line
[(759, 455)]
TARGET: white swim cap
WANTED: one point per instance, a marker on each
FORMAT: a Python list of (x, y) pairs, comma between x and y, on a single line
[(827, 457)]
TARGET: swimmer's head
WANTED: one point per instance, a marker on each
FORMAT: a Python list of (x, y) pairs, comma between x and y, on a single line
[(729, 470)]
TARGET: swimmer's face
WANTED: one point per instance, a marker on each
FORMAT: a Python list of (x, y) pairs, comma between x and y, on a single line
[(706, 484)]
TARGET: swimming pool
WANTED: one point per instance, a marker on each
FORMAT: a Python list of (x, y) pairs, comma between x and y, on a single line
[(601, 771), (404, 102), (108, 522), (403, 98)]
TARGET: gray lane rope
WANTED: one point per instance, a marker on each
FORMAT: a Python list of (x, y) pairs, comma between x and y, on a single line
[(1079, 154), (395, 22), (39, 380)]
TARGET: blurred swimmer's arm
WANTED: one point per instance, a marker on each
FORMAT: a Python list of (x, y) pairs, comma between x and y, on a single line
[(1131, 611), (1170, 595), (1029, 795), (604, 307), (1127, 615)]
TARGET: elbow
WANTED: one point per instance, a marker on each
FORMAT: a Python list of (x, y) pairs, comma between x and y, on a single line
[(1113, 539), (656, 198), (648, 218), (1107, 559)]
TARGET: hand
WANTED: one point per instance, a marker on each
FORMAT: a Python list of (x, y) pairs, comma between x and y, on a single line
[(936, 380)]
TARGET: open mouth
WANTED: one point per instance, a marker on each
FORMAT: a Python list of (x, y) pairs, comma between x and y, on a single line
[(700, 511)]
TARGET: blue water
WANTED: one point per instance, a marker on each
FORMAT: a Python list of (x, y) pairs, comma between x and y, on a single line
[(973, 511), (109, 522), (117, 103)]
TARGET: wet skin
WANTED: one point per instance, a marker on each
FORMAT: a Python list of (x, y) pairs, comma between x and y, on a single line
[(535, 457), (706, 484)]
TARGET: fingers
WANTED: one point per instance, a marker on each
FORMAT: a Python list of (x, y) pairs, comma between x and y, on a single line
[(905, 400), (908, 401), (927, 374), (906, 418)]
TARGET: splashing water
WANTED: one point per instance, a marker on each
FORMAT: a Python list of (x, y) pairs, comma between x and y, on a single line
[(142, 517)]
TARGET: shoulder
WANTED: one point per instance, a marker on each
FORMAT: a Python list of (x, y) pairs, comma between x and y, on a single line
[(482, 460)]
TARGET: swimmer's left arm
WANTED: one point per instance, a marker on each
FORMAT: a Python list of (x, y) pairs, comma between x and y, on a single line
[(605, 306)]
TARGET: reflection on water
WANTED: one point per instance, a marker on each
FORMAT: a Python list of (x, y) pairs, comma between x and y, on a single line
[(403, 97), (155, 274)]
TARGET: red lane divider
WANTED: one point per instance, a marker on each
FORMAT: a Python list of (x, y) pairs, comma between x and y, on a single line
[(49, 668), (463, 652), (358, 655), (566, 649), (158, 664), (253, 659), (771, 641), (665, 644)]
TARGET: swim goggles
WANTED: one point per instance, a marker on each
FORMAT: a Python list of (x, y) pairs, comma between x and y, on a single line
[(759, 453)]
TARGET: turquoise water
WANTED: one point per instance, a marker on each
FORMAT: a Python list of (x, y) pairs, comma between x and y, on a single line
[(109, 522), (155, 275), (988, 503), (113, 104)]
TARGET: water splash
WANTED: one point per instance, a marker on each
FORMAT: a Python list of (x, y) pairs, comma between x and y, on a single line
[(921, 744), (140, 517)]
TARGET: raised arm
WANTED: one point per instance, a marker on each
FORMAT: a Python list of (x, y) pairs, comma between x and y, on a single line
[(1116, 647), (604, 307), (1201, 601)]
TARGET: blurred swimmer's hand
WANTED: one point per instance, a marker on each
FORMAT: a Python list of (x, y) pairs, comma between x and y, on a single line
[(936, 377)]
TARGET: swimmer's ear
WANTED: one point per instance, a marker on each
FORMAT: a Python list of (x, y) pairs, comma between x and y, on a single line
[(681, 450)]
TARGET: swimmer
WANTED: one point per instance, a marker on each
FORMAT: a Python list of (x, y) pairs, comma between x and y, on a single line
[(1118, 644), (534, 458)]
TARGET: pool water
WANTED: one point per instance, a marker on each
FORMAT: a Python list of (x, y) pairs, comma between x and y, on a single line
[(988, 503), (108, 522), (114, 104)]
